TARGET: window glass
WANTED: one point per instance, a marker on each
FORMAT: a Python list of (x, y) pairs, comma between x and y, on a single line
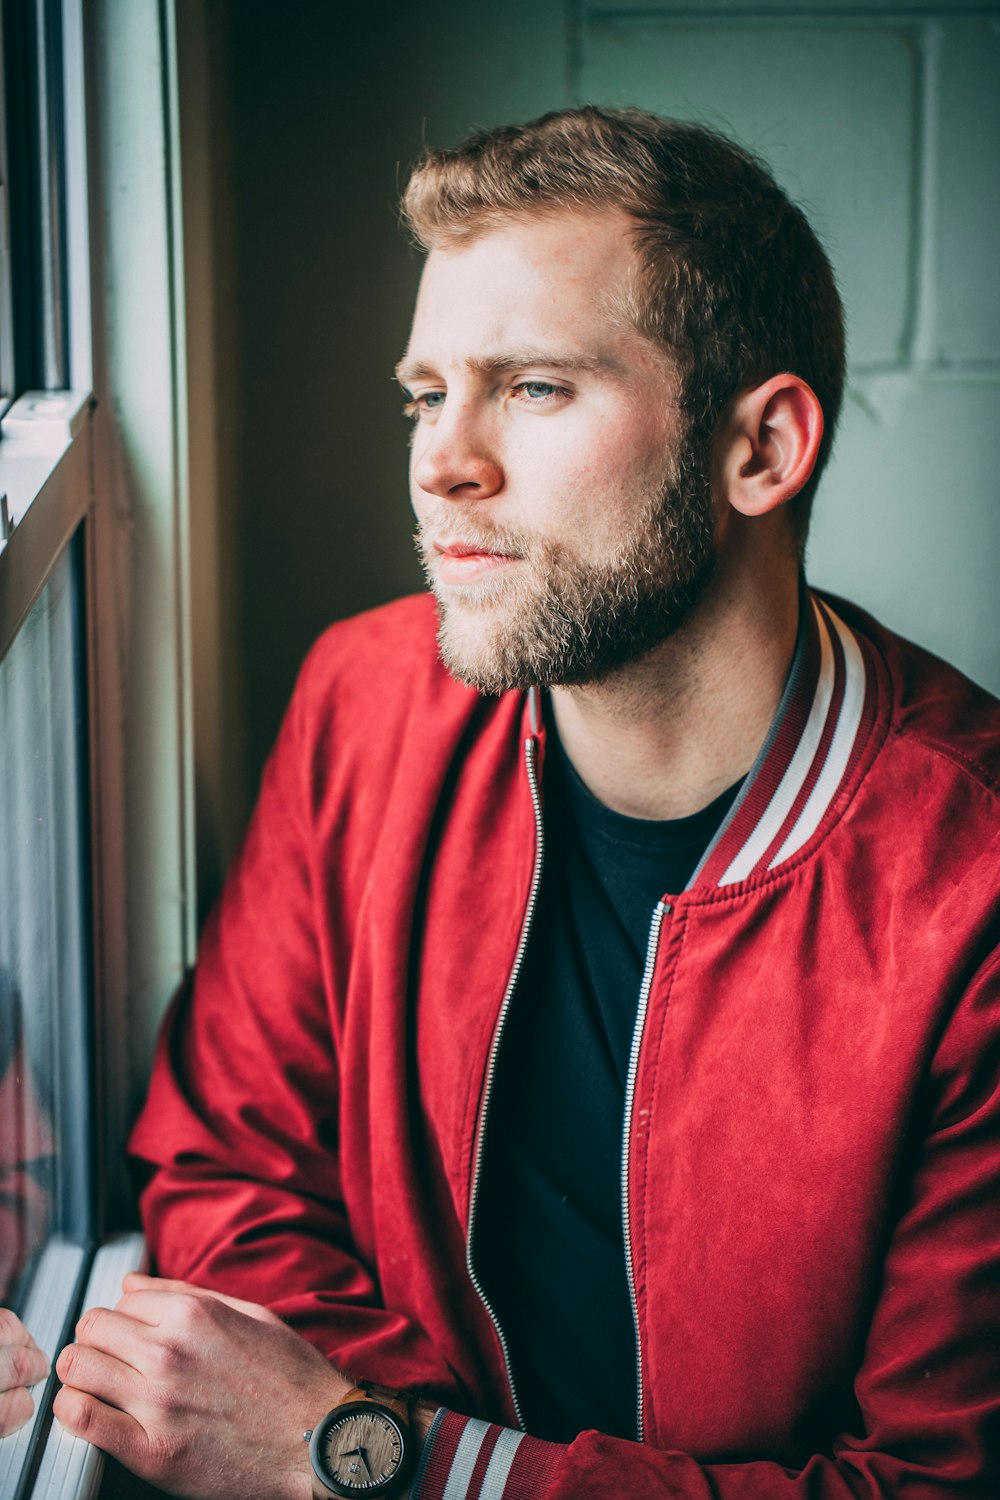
[(44, 963)]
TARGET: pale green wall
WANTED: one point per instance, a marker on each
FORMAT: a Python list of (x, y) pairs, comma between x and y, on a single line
[(882, 120)]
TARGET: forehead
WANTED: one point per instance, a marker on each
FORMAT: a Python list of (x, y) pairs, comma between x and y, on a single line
[(527, 283)]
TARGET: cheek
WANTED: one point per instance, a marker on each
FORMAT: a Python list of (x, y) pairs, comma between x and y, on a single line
[(609, 481), (611, 448), (562, 464)]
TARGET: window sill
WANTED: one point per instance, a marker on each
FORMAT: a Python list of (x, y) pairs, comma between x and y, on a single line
[(50, 1304), (70, 1468)]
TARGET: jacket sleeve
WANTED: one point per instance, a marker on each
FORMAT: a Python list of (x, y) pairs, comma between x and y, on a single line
[(928, 1386), (236, 1148)]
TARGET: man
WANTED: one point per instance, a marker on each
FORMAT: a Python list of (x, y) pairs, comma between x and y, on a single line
[(596, 1042)]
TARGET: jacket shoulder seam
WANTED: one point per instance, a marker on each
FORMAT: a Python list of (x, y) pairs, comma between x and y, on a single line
[(974, 770)]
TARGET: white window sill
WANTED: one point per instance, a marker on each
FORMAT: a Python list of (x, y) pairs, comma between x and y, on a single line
[(69, 1468), (49, 1306)]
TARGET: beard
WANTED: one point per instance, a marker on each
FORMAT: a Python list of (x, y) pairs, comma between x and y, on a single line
[(556, 620)]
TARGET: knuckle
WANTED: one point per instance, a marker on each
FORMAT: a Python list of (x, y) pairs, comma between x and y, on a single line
[(10, 1325), (87, 1322), (190, 1312), (21, 1366), (68, 1363), (85, 1414), (168, 1356), (75, 1411), (165, 1451), (13, 1369)]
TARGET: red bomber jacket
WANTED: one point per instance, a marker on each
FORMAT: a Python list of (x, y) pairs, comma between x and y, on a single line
[(812, 1129)]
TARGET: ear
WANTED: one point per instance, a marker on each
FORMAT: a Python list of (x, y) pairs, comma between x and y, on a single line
[(767, 443)]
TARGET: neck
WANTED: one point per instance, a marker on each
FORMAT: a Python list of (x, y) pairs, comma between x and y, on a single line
[(666, 735)]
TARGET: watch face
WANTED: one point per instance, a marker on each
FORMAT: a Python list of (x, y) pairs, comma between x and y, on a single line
[(360, 1448)]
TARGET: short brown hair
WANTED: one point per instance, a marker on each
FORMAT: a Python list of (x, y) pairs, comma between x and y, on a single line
[(733, 280)]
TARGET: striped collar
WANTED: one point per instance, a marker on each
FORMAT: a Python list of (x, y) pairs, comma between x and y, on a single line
[(822, 724)]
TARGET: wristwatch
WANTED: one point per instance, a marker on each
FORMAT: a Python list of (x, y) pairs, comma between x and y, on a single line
[(363, 1445)]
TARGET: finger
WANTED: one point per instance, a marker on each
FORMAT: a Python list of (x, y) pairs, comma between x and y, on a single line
[(16, 1407), (22, 1365), (13, 1331), (102, 1375), (124, 1338), (135, 1281), (116, 1432), (159, 1333)]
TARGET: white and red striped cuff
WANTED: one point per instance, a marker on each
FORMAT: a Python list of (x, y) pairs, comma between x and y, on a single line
[(465, 1459)]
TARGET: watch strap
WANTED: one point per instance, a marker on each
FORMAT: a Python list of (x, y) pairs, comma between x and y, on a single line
[(367, 1390)]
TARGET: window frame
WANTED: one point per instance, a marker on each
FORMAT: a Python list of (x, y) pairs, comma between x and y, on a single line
[(111, 455), (45, 478)]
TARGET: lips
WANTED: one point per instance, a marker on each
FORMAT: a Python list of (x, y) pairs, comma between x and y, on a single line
[(468, 549), (469, 562)]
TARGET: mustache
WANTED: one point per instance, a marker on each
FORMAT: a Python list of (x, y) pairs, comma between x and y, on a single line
[(458, 530)]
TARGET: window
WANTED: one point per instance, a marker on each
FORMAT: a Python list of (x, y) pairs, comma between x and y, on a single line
[(46, 1077), (45, 1072), (92, 742), (46, 1219)]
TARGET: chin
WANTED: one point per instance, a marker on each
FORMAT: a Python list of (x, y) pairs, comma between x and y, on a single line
[(472, 654)]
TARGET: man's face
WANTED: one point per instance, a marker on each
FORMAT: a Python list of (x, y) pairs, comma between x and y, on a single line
[(564, 528)]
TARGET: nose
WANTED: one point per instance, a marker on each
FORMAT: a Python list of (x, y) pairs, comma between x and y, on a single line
[(453, 457)]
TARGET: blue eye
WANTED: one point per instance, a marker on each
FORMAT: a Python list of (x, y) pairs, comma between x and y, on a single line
[(417, 406), (540, 393)]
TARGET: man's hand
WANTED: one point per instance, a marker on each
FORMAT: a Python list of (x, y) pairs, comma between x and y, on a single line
[(22, 1364), (203, 1395)]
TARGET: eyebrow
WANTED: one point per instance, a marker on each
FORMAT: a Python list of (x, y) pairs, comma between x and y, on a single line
[(516, 359)]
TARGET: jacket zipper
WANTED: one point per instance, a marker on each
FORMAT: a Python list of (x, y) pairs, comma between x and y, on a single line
[(530, 746), (659, 912)]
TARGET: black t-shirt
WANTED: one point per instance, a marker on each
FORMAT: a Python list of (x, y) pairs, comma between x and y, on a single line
[(548, 1243)]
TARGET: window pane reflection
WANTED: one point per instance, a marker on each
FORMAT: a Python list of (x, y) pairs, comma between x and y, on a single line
[(44, 1062)]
